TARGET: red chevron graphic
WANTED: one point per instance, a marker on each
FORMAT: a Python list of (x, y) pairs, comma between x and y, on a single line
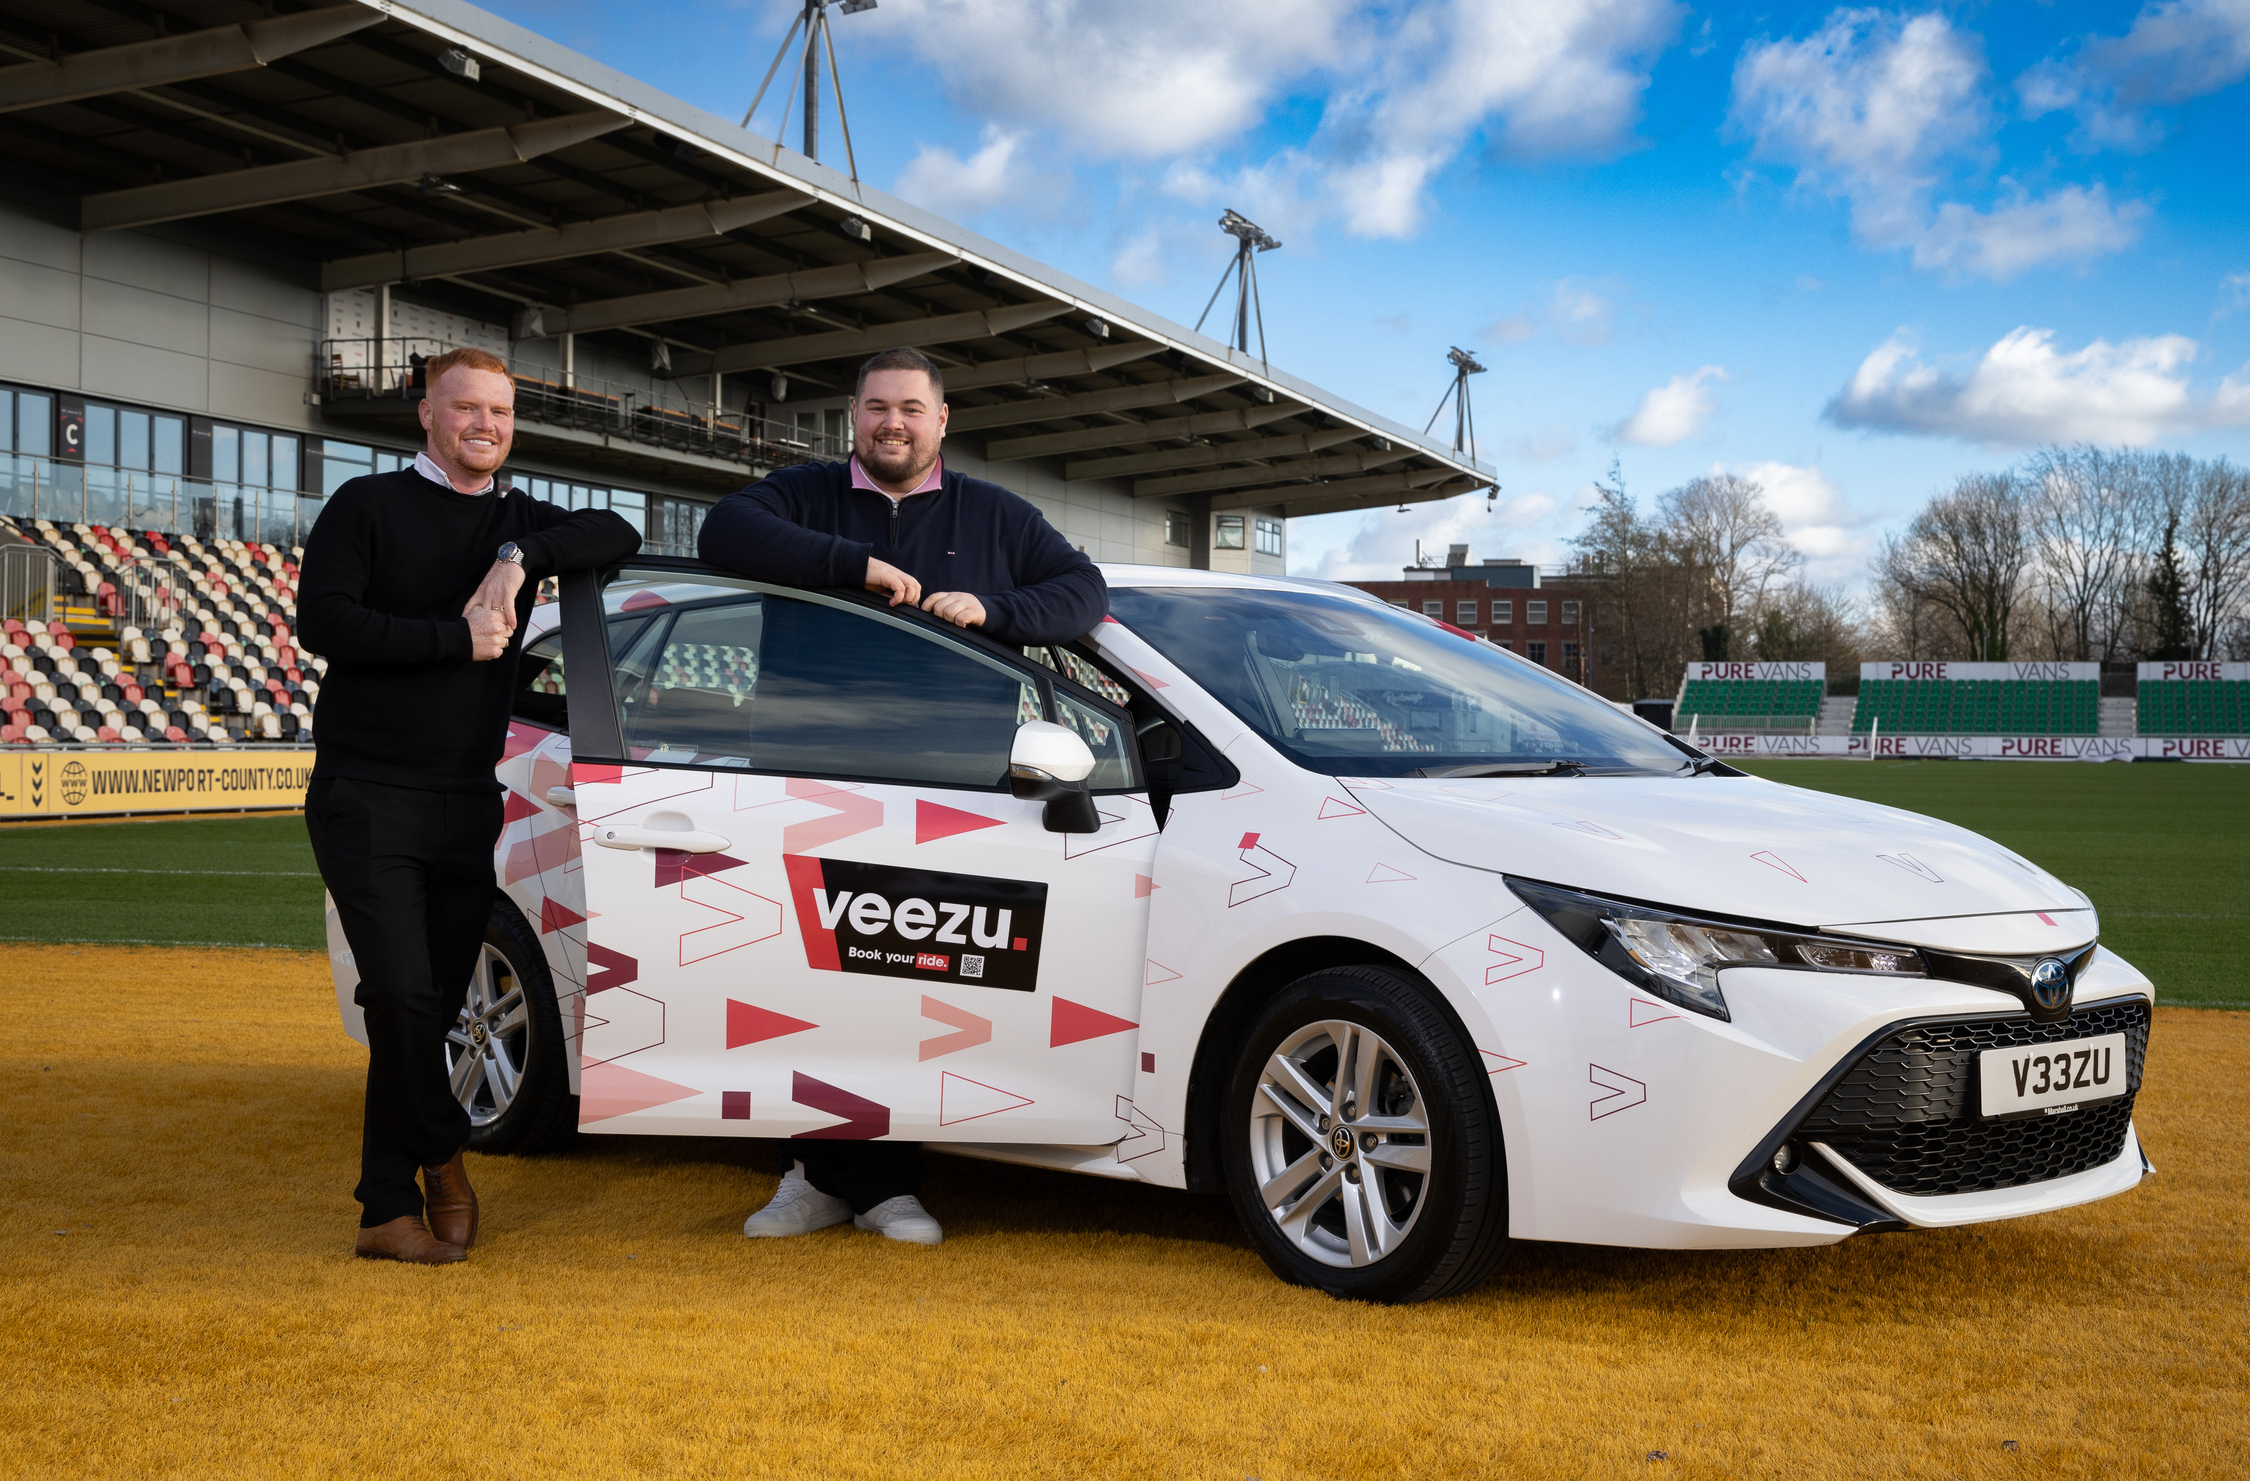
[(1640, 1013), (1516, 959), (864, 1120), (517, 808), (617, 968), (1147, 1136), (854, 814), (750, 918), (1619, 1087), (1262, 881), (972, 1030)]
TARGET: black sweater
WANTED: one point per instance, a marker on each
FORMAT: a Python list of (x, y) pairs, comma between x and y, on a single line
[(807, 526), (388, 566)]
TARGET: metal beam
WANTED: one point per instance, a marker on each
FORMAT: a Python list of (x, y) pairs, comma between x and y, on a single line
[(1125, 434), (1276, 473), (1089, 403), (388, 164), (1304, 508), (170, 59), (1205, 453), (553, 243), (1345, 495), (843, 344), (727, 298), (1056, 363)]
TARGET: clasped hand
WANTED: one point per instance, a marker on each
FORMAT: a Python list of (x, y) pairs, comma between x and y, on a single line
[(956, 607), (491, 613)]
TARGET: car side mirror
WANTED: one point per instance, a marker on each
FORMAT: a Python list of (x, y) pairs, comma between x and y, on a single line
[(1049, 763)]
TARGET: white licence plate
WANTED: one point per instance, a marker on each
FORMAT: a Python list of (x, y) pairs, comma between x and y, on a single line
[(2051, 1079)]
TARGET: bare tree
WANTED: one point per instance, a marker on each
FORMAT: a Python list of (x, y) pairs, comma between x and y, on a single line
[(1801, 622), (1719, 526), (1965, 555), (2214, 535), (2084, 508)]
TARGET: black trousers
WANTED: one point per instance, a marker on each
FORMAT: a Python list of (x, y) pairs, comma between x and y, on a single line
[(863, 1174), (411, 874)]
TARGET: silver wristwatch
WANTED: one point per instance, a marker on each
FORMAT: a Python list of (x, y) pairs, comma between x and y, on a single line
[(510, 552)]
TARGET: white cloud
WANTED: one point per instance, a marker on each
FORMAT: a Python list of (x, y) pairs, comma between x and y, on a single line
[(1543, 446), (1541, 78), (1814, 517), (1146, 80), (2024, 391), (944, 182), (2176, 50), (1881, 110), (1579, 313), (1999, 244), (1672, 413), (1510, 329), (2234, 294)]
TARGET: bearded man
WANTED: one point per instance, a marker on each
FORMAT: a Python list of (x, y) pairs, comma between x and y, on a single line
[(415, 585), (895, 520)]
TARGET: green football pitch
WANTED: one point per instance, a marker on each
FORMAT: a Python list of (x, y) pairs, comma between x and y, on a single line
[(2163, 850)]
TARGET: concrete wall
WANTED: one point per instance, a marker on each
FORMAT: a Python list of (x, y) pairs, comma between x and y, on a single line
[(156, 318)]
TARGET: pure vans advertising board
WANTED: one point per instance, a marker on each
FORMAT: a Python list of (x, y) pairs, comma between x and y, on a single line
[(1756, 672), (1940, 670)]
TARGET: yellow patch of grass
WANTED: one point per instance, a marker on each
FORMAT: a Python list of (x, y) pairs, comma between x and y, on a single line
[(190, 1120)]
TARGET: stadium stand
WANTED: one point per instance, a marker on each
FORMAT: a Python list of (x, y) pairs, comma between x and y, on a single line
[(1745, 697), (1977, 699), (211, 659), (2182, 699)]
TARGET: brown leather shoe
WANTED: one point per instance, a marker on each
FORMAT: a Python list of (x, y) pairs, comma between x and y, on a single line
[(451, 1202), (404, 1238)]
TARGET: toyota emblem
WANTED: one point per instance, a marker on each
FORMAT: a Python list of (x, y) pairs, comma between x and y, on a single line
[(2050, 984)]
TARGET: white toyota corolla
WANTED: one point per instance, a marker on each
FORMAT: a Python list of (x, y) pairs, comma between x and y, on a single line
[(1408, 945)]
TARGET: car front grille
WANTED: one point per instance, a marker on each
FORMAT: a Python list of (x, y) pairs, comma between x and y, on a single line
[(1905, 1112)]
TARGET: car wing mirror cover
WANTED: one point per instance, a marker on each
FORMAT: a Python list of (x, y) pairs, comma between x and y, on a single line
[(1049, 763)]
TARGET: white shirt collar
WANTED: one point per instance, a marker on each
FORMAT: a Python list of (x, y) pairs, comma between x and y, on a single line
[(424, 465)]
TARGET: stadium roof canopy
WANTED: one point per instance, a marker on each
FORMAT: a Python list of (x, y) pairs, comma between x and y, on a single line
[(440, 145)]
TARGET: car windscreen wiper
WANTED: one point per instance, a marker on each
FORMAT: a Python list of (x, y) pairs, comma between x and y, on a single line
[(1505, 768)]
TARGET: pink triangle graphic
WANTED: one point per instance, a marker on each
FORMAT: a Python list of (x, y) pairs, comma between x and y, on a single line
[(1143, 887), (1385, 874), (1773, 860), (1640, 1013), (607, 1090), (1151, 680), (934, 820), (747, 1023), (1332, 808), (1500, 1062), (963, 1099), (1158, 972), (1075, 1022), (1244, 790)]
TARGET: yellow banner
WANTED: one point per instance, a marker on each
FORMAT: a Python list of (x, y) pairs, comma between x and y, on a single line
[(69, 784)]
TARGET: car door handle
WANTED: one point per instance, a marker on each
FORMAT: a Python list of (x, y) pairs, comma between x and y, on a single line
[(685, 842), (561, 797)]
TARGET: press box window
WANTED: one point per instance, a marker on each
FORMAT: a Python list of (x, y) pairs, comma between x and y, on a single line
[(1176, 528), (1433, 609), (1269, 537), (1504, 611), (1229, 533), (1535, 614), (1465, 614)]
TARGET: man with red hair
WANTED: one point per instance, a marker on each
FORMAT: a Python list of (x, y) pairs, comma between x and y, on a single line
[(414, 587)]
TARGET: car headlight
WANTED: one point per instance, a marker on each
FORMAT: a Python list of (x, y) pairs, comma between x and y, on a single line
[(1678, 957)]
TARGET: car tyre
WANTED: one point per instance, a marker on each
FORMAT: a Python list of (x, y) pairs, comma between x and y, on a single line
[(504, 1056), (1360, 1141)]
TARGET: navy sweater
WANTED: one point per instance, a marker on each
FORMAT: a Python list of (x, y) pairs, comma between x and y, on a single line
[(807, 526)]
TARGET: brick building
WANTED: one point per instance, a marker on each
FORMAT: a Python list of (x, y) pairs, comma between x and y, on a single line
[(1551, 620)]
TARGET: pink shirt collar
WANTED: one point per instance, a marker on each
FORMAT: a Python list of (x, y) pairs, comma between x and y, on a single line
[(860, 480)]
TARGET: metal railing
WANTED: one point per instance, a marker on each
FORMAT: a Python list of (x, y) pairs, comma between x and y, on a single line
[(33, 487), (393, 370), (1726, 724), (27, 583)]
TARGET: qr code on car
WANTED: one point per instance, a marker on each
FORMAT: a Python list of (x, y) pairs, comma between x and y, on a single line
[(972, 966)]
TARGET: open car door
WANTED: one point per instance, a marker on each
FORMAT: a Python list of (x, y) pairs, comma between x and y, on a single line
[(814, 907)]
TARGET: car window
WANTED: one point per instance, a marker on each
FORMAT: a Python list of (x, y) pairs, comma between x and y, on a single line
[(806, 689), (1104, 735), (1354, 688), (542, 694)]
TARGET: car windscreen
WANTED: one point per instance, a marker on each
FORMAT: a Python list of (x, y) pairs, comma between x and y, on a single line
[(1355, 689)]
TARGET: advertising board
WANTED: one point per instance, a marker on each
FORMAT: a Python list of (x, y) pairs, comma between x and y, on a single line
[(94, 782), (1756, 672), (2021, 673)]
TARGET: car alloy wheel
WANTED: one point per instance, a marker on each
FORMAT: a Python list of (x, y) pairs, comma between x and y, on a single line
[(1340, 1143), (1360, 1141), (485, 1052)]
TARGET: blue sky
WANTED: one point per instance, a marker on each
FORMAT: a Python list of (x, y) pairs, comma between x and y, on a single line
[(1850, 253)]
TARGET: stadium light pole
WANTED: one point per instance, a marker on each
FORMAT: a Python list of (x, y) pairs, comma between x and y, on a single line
[(1250, 239), (813, 19)]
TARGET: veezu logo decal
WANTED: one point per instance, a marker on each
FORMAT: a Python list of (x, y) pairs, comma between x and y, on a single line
[(893, 922)]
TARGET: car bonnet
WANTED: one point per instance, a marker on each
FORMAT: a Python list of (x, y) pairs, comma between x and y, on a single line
[(1743, 847)]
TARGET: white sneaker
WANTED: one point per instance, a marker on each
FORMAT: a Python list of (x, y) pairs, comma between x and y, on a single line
[(797, 1208), (902, 1217)]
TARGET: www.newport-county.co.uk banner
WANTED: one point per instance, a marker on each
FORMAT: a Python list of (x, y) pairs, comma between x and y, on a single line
[(63, 784)]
